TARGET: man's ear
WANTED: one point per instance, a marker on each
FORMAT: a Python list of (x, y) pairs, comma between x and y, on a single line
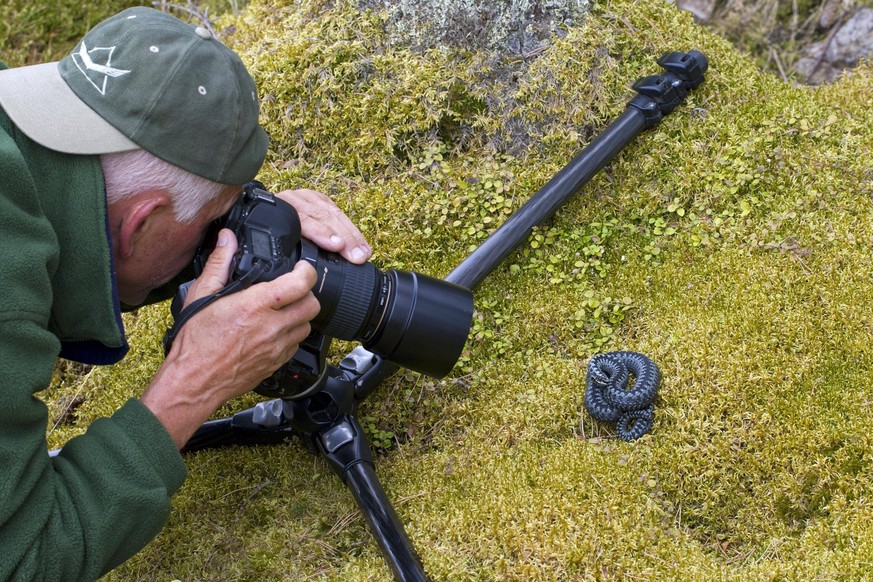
[(139, 217)]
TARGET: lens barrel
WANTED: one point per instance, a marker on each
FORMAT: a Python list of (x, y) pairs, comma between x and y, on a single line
[(413, 320)]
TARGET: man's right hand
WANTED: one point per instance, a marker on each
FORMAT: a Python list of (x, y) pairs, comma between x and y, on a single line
[(230, 346)]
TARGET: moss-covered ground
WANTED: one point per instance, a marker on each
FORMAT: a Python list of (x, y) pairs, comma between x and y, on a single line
[(731, 244)]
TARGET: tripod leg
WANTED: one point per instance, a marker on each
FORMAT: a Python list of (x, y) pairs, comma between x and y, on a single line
[(347, 450)]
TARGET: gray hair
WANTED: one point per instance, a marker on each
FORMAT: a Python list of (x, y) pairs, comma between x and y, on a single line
[(129, 173)]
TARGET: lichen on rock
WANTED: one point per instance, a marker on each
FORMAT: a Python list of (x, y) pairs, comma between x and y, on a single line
[(515, 27)]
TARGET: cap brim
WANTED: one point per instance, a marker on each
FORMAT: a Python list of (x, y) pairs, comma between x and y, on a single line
[(41, 104)]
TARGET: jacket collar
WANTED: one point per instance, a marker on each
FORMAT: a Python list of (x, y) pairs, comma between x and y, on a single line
[(85, 313)]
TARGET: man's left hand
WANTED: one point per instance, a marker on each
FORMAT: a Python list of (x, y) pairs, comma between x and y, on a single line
[(323, 223)]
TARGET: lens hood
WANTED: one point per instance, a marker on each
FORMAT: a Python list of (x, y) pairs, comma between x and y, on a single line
[(425, 325)]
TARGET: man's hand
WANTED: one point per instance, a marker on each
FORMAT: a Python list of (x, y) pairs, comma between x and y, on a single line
[(326, 225), (226, 349)]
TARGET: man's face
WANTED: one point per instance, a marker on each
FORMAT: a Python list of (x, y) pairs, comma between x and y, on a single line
[(163, 249)]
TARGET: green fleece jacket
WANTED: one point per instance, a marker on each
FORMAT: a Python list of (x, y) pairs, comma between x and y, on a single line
[(83, 512)]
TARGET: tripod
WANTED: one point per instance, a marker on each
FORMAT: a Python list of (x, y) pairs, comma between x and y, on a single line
[(324, 415)]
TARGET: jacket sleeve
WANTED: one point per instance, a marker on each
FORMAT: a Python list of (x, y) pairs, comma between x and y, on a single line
[(75, 516)]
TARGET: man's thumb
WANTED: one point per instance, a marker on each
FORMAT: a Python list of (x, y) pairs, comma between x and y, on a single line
[(217, 267)]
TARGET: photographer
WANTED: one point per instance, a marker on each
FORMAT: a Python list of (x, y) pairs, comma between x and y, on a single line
[(114, 162)]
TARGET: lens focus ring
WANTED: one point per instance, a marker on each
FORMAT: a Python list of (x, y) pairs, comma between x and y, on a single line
[(357, 291)]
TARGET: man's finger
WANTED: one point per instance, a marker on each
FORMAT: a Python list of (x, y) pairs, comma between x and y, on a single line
[(290, 287)]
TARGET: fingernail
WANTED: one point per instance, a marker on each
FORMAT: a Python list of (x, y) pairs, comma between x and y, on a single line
[(222, 239), (357, 253), (336, 239)]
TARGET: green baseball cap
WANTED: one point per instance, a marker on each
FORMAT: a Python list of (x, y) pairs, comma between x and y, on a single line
[(144, 79)]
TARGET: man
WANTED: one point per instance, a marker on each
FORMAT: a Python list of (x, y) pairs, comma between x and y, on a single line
[(114, 161)]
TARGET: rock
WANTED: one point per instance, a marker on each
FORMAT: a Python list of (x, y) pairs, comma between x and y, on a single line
[(512, 27), (831, 11), (812, 66), (824, 61), (853, 41), (703, 10)]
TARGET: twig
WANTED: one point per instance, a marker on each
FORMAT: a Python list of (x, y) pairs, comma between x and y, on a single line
[(72, 402), (775, 56), (343, 522), (534, 52), (203, 17)]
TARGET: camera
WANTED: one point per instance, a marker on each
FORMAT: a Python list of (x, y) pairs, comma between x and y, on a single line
[(407, 318)]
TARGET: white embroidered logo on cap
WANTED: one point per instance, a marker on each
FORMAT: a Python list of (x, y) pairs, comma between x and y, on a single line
[(97, 74)]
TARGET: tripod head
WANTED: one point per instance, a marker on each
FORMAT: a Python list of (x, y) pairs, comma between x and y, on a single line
[(659, 95)]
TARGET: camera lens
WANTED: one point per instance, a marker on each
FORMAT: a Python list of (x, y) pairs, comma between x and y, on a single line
[(415, 321)]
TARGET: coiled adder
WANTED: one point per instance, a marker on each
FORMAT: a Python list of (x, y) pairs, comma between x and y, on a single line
[(608, 399)]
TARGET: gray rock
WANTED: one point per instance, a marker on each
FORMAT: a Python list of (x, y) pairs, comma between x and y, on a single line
[(824, 61), (509, 27), (703, 10), (853, 41)]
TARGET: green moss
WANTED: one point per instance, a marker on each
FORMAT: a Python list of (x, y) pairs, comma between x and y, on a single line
[(35, 32), (32, 32), (731, 244)]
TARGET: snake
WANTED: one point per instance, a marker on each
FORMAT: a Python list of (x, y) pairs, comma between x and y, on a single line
[(608, 399)]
